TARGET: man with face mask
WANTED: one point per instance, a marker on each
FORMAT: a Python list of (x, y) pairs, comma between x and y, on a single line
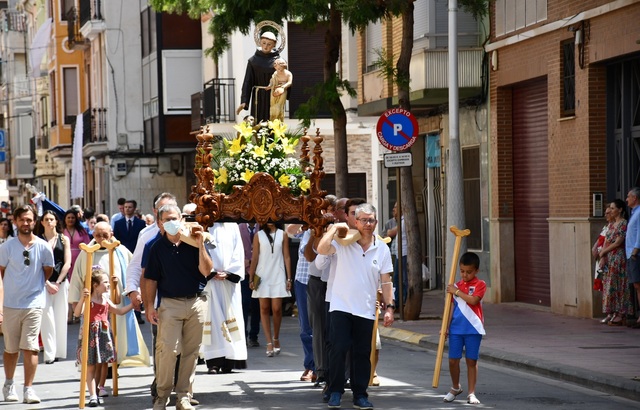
[(178, 273), (132, 351)]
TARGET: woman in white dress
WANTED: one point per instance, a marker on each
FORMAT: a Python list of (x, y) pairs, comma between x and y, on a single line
[(272, 263)]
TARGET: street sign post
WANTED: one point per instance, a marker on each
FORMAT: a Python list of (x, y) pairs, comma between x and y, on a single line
[(397, 130)]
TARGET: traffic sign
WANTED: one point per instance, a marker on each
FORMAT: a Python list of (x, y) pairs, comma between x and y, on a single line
[(3, 156), (398, 159), (2, 140), (397, 129)]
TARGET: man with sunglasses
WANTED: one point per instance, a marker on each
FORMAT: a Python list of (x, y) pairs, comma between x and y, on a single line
[(360, 267), (26, 262)]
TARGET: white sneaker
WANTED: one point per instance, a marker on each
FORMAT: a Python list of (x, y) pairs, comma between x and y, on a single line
[(9, 391), (184, 404), (30, 396), (102, 392)]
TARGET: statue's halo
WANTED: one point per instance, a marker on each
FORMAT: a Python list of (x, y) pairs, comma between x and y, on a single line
[(268, 23)]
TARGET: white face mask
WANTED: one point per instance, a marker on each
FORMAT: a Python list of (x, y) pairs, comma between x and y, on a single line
[(172, 227)]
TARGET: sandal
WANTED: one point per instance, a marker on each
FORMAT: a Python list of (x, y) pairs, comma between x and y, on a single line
[(276, 349), (617, 320), (269, 352), (452, 394), (472, 399), (607, 319)]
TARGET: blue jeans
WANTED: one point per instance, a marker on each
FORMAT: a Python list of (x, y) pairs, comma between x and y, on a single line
[(305, 327), (349, 332), (405, 279)]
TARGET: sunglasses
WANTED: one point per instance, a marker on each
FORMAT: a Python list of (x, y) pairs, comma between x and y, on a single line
[(27, 261)]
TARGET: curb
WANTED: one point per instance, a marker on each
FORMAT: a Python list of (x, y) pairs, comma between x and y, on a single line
[(613, 385)]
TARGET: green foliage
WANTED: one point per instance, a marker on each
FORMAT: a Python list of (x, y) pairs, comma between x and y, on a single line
[(388, 69), (479, 8), (323, 95)]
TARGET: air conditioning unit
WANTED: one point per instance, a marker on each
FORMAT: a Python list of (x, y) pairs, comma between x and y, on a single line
[(120, 168)]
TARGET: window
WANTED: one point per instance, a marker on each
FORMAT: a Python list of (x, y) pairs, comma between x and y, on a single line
[(148, 27), (70, 97), (65, 7), (568, 79), (472, 200), (373, 43), (54, 98), (513, 15)]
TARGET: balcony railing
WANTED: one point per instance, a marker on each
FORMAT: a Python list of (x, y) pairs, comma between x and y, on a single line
[(76, 40), (90, 10), (94, 126), (13, 21), (218, 100)]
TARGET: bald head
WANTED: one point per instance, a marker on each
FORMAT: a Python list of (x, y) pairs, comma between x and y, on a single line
[(102, 231)]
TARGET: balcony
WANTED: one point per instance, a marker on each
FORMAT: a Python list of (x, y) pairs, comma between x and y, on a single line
[(13, 27), (218, 100), (429, 72), (94, 127), (74, 36), (91, 20)]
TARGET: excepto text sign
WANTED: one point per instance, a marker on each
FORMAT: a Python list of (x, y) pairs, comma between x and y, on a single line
[(397, 129)]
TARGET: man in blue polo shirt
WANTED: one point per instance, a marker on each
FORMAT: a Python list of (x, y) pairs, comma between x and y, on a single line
[(178, 272)]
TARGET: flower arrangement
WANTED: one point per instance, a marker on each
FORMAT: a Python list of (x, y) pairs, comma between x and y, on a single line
[(264, 148)]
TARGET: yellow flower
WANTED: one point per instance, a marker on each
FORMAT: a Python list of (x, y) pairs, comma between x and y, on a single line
[(236, 146), (278, 128), (304, 185), (259, 151), (221, 176), (284, 180), (247, 175), (244, 129), (288, 148)]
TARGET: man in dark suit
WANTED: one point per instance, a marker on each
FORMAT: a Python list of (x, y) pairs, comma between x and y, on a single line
[(250, 306), (126, 229)]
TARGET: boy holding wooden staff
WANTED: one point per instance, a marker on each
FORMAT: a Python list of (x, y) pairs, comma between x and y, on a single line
[(466, 327)]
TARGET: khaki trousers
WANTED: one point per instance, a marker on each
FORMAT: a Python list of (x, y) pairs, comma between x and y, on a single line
[(180, 323)]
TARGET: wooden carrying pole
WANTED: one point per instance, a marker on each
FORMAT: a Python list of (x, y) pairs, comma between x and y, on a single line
[(111, 246), (372, 356), (84, 355), (448, 300)]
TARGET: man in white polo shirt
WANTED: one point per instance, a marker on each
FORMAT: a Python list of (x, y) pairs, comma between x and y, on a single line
[(360, 268)]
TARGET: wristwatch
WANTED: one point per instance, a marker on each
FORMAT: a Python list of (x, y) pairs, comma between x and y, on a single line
[(392, 306)]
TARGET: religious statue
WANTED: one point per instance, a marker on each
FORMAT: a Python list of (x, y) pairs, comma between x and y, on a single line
[(260, 68), (280, 81)]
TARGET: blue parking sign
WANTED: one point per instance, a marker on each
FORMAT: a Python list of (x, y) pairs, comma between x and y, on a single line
[(2, 140), (3, 156)]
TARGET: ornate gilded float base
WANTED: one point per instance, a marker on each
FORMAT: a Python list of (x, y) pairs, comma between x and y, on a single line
[(263, 199)]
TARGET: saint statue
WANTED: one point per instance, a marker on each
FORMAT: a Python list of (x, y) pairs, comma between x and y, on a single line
[(255, 97)]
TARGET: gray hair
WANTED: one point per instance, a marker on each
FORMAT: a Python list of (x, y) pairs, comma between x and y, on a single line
[(635, 191), (164, 195), (365, 209), (168, 208)]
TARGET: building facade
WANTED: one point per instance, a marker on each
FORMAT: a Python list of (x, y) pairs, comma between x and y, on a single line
[(565, 123)]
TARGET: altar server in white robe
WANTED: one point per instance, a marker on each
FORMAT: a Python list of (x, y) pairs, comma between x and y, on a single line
[(224, 345)]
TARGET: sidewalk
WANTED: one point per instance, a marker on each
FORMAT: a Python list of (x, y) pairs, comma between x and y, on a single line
[(531, 338)]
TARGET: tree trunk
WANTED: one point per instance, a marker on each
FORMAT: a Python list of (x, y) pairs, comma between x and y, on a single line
[(413, 305), (333, 39)]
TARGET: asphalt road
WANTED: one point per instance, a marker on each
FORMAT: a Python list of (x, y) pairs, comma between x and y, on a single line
[(406, 374)]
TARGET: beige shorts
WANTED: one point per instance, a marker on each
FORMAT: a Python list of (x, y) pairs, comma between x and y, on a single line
[(21, 328)]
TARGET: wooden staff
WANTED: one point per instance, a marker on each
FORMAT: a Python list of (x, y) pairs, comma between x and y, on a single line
[(372, 357), (111, 246), (84, 355), (448, 300)]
